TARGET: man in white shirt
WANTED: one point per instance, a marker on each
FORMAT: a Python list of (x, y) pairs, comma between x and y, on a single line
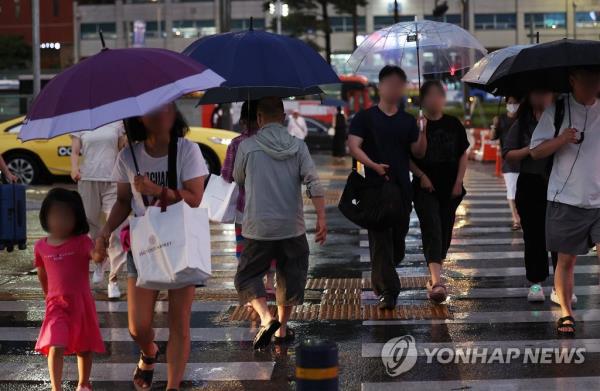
[(573, 213), (297, 126)]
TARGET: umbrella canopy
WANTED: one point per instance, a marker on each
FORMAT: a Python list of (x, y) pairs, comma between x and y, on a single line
[(484, 69), (255, 62), (228, 95), (544, 66), (112, 85), (419, 48)]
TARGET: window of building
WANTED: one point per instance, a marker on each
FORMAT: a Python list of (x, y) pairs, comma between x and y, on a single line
[(380, 22), (344, 23), (548, 20), (495, 21), (152, 29), (587, 19), (448, 18), (244, 24), (193, 28), (92, 30)]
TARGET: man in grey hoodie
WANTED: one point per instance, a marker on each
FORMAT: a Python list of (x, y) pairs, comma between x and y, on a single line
[(272, 166)]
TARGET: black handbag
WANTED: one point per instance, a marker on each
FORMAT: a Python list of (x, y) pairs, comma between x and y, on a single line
[(372, 203)]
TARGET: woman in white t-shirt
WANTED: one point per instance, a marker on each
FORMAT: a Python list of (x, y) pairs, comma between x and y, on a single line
[(153, 133), (99, 149)]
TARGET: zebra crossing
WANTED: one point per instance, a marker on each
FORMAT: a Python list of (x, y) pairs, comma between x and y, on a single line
[(487, 300), (487, 309)]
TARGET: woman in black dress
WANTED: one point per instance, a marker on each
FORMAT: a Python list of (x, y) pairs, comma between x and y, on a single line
[(438, 182)]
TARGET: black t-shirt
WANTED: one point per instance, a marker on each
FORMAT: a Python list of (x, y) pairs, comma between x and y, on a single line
[(446, 143), (519, 136), (394, 135), (504, 124)]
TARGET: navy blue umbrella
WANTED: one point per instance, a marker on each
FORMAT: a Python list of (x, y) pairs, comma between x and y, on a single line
[(250, 60)]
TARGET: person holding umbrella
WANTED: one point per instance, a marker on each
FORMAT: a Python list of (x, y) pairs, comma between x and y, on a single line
[(573, 212), (382, 139)]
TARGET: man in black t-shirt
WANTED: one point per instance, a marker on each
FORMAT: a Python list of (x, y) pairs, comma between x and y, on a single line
[(383, 138)]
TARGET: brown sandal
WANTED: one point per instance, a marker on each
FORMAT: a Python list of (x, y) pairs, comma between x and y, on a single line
[(436, 292)]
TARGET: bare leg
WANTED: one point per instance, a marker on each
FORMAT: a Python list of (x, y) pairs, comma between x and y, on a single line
[(55, 367), (435, 270), (178, 348), (84, 367), (563, 282), (283, 312), (140, 310), (513, 211), (262, 309)]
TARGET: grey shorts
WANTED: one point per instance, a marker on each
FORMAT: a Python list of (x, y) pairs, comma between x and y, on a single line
[(131, 269), (571, 230)]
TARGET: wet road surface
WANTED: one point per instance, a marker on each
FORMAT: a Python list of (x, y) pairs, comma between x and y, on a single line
[(487, 309)]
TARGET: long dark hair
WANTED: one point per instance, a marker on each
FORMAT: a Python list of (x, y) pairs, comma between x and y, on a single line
[(137, 131)]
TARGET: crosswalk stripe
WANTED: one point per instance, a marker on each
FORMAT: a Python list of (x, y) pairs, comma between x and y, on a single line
[(120, 334), (554, 383), (113, 306), (458, 231), (118, 372), (373, 349), (460, 255), (461, 272), (590, 315), (464, 242)]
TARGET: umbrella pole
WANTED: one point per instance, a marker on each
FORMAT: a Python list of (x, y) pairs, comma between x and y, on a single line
[(419, 76), (135, 162)]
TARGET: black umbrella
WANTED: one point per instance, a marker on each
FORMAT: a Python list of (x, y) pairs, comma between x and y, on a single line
[(543, 66)]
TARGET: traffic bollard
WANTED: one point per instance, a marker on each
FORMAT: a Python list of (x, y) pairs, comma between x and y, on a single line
[(317, 365)]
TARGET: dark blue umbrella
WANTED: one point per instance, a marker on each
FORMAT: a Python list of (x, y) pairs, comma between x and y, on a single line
[(252, 59)]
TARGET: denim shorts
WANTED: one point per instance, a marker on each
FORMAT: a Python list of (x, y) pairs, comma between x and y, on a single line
[(131, 269)]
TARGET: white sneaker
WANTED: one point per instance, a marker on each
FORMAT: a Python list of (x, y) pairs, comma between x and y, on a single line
[(113, 290), (554, 298), (98, 275), (536, 293)]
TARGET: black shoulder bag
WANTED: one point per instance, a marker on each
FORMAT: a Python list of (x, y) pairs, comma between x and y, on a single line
[(372, 203)]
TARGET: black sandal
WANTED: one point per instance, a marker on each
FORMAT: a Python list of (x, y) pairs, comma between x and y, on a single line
[(146, 375), (265, 333), (290, 335), (561, 324)]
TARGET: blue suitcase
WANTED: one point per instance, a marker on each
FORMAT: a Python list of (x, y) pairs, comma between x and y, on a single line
[(13, 231)]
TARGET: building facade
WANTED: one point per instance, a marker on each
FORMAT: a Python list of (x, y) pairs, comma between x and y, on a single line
[(174, 24)]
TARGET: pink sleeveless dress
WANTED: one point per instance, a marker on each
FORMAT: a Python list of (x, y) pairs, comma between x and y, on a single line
[(70, 321)]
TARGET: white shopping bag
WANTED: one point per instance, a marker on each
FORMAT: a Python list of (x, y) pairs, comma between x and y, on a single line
[(220, 198), (171, 249)]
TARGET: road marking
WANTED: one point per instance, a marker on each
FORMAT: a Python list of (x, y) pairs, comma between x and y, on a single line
[(460, 272), (464, 242), (459, 256), (113, 306), (118, 334), (551, 383), (119, 372), (370, 350), (493, 317)]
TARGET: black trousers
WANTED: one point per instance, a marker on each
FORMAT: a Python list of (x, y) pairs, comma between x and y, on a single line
[(436, 217), (291, 269), (387, 249), (531, 205)]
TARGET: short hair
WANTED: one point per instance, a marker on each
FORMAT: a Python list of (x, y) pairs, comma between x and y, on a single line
[(137, 131), (392, 70), (248, 112), (428, 85), (73, 200), (270, 107)]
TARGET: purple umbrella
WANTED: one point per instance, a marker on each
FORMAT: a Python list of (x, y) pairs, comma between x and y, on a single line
[(112, 85)]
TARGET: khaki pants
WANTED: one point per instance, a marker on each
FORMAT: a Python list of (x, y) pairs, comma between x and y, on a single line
[(98, 200)]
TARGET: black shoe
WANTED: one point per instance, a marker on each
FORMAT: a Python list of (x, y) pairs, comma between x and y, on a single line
[(386, 302)]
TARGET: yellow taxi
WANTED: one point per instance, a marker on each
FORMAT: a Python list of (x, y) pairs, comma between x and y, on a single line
[(39, 160)]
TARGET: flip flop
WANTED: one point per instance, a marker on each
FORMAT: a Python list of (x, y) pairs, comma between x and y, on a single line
[(290, 335), (265, 333), (516, 226)]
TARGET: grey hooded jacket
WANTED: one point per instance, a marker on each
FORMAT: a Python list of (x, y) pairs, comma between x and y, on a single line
[(272, 166)]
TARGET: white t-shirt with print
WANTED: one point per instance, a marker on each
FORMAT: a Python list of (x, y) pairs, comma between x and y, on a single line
[(190, 165), (575, 177), (99, 150)]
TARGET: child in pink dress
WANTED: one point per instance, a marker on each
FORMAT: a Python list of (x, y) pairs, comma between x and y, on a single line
[(62, 260)]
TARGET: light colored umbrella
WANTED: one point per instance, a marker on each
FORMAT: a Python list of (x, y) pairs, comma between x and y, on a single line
[(479, 75), (419, 48)]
